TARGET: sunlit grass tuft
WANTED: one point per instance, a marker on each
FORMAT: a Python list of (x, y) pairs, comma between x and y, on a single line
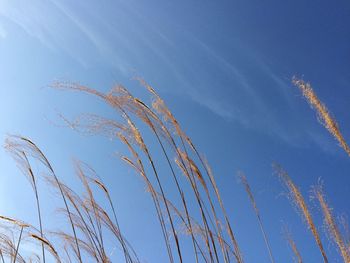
[(194, 215)]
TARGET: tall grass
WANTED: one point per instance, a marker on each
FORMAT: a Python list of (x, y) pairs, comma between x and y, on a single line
[(197, 206), (324, 115), (292, 244), (23, 162), (246, 185), (331, 224), (299, 201)]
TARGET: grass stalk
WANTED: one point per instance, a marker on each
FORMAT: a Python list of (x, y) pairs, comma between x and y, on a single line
[(324, 115), (246, 185), (298, 199), (331, 224)]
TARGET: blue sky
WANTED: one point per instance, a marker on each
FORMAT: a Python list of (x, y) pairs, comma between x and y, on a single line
[(225, 70)]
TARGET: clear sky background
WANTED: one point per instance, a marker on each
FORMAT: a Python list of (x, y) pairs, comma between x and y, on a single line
[(223, 67)]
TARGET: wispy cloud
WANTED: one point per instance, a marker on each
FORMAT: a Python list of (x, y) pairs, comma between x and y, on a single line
[(39, 20), (58, 28), (106, 42), (243, 87), (259, 98), (3, 33)]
